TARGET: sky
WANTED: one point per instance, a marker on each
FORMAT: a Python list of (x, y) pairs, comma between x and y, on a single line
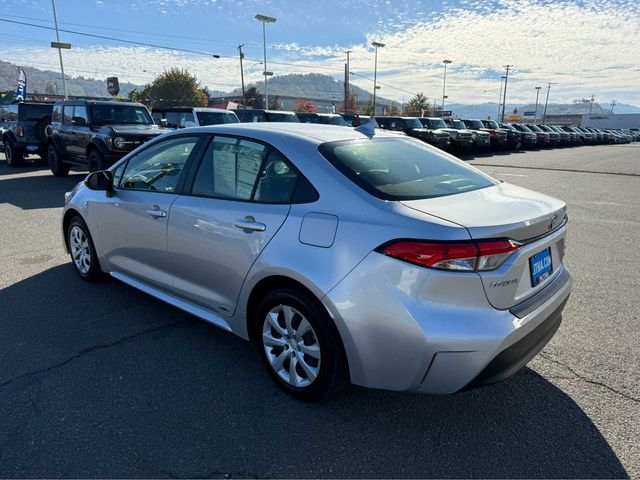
[(589, 47)]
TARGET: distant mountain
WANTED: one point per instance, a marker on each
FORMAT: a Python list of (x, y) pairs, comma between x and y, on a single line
[(47, 81), (311, 85)]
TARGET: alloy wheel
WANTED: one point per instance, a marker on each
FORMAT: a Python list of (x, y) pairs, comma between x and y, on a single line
[(80, 249), (291, 346)]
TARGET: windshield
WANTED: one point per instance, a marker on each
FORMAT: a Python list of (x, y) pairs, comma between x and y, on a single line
[(523, 128), (433, 122), (534, 128), (331, 120), (477, 124), (490, 124), (402, 168), (283, 117), (215, 118), (411, 123), (458, 124), (120, 114), (508, 127)]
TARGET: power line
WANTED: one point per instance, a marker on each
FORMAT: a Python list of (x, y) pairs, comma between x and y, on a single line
[(185, 50)]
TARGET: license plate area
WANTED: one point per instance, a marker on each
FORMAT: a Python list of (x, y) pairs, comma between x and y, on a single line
[(32, 148), (541, 266)]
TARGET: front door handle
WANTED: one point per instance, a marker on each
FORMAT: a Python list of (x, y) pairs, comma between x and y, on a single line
[(156, 213), (249, 223)]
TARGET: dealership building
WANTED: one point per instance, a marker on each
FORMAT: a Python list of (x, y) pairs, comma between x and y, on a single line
[(622, 120)]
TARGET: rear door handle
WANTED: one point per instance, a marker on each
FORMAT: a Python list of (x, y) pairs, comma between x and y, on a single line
[(250, 225), (156, 213)]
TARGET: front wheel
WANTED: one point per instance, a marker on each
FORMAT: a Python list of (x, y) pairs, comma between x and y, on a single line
[(299, 344), (96, 161), (83, 253), (14, 155), (57, 166)]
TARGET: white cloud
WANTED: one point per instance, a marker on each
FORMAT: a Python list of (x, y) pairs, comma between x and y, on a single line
[(587, 47)]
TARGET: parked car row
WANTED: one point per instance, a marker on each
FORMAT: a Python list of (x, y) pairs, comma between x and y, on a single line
[(94, 134)]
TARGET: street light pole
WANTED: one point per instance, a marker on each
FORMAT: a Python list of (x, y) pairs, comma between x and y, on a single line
[(375, 76), (264, 19), (535, 115), (613, 104), (504, 94), (544, 115), (444, 84), (591, 103), (55, 21), (346, 85)]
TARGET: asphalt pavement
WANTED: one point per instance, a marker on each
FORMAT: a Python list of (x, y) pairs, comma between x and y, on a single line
[(100, 380)]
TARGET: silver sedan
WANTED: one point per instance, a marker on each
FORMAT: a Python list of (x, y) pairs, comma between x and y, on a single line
[(344, 254)]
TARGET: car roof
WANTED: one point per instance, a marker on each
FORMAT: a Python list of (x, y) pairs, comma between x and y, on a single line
[(97, 102), (277, 131), (192, 109)]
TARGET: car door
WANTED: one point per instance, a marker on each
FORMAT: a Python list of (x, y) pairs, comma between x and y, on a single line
[(67, 133), (81, 132), (133, 221), (240, 196)]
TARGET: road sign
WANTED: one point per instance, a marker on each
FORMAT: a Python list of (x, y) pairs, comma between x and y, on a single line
[(444, 113), (65, 46), (113, 86), (528, 114)]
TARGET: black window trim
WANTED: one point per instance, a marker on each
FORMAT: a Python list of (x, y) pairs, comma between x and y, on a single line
[(195, 153), (191, 176)]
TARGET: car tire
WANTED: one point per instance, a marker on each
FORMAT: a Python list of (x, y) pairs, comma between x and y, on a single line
[(13, 155), (96, 161), (57, 166), (82, 251), (319, 364)]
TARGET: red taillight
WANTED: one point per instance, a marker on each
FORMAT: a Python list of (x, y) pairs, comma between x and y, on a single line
[(20, 131), (462, 256)]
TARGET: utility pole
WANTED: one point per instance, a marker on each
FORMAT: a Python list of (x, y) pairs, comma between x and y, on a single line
[(346, 84), (535, 115), (55, 21), (242, 74), (444, 84), (264, 19), (591, 103), (613, 104), (544, 115), (504, 93), (500, 97)]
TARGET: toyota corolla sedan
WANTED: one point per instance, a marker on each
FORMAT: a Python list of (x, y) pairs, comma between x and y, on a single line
[(343, 254)]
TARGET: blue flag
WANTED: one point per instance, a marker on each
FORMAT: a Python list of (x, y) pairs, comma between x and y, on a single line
[(21, 93)]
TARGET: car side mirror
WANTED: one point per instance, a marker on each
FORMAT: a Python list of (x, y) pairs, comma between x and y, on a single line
[(102, 180), (79, 121)]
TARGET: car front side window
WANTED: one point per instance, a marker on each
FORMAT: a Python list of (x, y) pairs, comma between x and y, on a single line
[(158, 167)]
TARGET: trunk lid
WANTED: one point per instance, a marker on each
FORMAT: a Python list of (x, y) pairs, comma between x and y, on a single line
[(509, 211)]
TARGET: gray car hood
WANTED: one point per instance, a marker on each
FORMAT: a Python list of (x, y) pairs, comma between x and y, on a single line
[(503, 210)]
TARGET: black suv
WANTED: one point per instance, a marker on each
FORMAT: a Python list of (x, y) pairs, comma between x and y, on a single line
[(95, 134), (23, 130), (412, 127)]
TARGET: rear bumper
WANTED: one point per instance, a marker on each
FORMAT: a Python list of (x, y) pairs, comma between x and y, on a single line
[(435, 332)]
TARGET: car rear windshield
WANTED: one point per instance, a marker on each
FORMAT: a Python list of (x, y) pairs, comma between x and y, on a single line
[(283, 117), (215, 118), (120, 114), (28, 111), (402, 168), (473, 124)]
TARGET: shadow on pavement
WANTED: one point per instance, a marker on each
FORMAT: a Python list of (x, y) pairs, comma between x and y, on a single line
[(34, 191), (99, 380)]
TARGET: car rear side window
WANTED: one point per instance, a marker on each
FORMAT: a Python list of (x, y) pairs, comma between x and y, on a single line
[(403, 169)]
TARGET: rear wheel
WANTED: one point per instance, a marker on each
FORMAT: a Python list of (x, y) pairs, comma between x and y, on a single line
[(14, 155), (83, 253), (299, 344), (57, 166)]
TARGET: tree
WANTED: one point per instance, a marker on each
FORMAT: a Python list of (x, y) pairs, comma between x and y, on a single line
[(368, 109), (50, 89), (352, 104), (172, 88), (393, 110), (305, 106), (417, 105), (275, 104)]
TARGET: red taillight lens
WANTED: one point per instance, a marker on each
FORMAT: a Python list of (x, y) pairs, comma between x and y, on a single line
[(20, 131), (462, 256)]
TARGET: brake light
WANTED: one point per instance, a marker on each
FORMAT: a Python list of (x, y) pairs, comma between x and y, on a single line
[(482, 255), (20, 131)]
